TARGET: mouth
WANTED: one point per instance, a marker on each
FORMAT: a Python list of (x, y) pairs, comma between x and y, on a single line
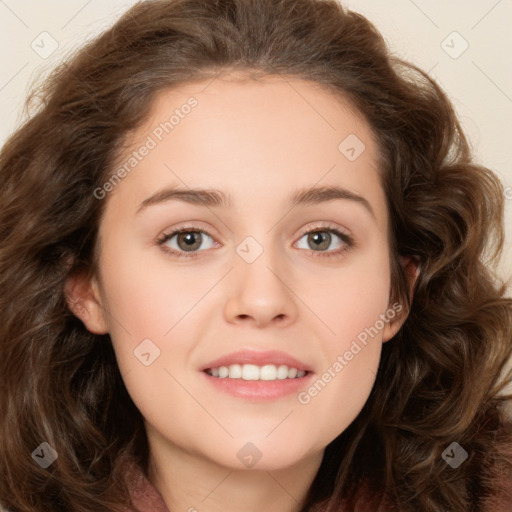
[(251, 372), (254, 375)]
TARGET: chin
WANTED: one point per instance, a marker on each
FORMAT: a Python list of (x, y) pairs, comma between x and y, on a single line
[(257, 453)]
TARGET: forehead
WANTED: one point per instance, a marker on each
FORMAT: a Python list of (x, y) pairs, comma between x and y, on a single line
[(271, 109), (263, 137)]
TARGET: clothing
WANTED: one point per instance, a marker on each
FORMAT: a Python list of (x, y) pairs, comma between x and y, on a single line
[(145, 496)]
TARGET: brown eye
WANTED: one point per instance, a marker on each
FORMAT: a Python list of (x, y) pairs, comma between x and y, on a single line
[(186, 241), (319, 240), (189, 241), (329, 241)]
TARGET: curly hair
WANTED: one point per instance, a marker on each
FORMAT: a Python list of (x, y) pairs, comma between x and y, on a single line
[(440, 379)]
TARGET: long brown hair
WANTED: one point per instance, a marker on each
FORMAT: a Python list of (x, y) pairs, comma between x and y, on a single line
[(440, 378)]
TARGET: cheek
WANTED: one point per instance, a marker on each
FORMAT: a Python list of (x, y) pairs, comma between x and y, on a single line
[(353, 304), (351, 298), (338, 395), (147, 297), (148, 305), (352, 356)]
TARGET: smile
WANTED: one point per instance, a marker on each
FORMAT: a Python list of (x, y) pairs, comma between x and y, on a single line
[(253, 372)]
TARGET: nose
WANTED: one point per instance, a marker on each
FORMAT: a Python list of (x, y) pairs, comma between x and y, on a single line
[(260, 294)]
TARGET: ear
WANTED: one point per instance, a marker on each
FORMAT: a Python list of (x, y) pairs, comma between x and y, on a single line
[(84, 300), (397, 313)]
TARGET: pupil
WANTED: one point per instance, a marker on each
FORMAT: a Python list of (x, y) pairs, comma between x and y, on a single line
[(190, 240), (320, 239)]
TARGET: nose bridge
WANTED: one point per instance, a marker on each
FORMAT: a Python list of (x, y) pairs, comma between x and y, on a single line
[(259, 291), (257, 266)]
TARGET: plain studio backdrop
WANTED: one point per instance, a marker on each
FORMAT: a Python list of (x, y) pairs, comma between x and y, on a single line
[(466, 45)]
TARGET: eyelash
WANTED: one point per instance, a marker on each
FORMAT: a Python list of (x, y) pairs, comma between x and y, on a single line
[(346, 238)]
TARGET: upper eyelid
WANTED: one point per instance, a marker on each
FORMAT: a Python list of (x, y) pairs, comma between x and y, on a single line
[(319, 225)]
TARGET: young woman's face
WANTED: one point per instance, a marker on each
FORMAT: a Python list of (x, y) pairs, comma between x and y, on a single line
[(282, 269)]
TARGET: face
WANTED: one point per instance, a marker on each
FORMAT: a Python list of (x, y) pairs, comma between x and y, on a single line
[(249, 238)]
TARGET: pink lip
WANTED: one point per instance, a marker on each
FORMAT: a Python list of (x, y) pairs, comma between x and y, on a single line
[(257, 358), (259, 390)]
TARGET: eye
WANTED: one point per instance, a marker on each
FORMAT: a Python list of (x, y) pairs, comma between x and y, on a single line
[(190, 241), (186, 240), (326, 241)]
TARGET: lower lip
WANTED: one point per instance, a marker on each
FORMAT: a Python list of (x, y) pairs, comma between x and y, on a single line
[(259, 389)]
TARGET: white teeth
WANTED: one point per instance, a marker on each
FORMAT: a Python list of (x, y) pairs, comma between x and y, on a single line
[(250, 372), (292, 373), (223, 372), (268, 372), (253, 372), (282, 372), (235, 371)]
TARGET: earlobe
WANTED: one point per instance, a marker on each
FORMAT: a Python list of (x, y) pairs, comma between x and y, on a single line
[(411, 267), (394, 325), (84, 300)]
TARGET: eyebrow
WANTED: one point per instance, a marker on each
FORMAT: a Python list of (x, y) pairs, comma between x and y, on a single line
[(212, 197)]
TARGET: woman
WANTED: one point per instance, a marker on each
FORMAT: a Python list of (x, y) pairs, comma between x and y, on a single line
[(246, 265)]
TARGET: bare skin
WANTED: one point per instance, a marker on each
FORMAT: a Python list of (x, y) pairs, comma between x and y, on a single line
[(259, 143)]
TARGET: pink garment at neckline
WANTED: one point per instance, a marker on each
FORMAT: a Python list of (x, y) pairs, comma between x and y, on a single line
[(146, 497)]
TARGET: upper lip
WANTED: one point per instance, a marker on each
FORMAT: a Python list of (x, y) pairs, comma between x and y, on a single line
[(257, 358)]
